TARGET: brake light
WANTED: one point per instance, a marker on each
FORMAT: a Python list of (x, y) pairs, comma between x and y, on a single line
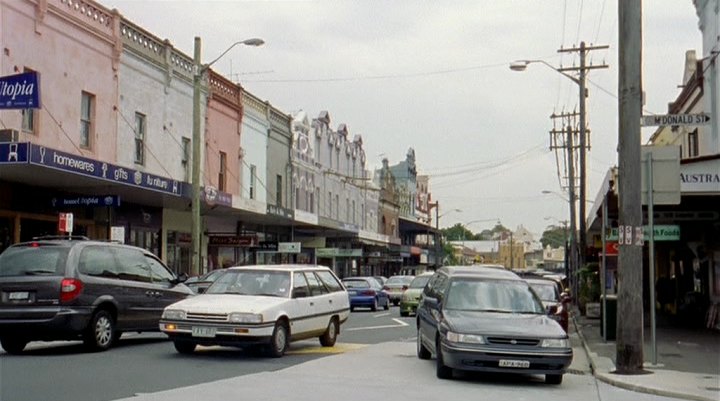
[(70, 289), (368, 292), (34, 245)]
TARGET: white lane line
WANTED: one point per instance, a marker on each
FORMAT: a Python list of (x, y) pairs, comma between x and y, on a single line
[(387, 326), (382, 314)]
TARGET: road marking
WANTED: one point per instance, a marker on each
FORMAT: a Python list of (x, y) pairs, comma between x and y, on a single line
[(339, 348), (399, 324), (382, 314)]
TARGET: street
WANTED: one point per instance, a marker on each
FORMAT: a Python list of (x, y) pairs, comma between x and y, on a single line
[(375, 352)]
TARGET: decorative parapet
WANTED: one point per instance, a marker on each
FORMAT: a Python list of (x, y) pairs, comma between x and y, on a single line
[(252, 102), (159, 52), (89, 12), (224, 90), (280, 120)]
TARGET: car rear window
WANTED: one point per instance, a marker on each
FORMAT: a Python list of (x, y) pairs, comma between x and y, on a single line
[(420, 281), (356, 283), (33, 259), (402, 280)]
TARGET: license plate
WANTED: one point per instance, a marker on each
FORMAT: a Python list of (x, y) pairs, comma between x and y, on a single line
[(511, 363), (21, 295), (203, 332)]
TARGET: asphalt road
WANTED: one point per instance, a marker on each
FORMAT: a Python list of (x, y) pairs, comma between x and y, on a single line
[(148, 363)]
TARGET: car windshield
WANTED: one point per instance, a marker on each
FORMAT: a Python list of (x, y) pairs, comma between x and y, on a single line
[(399, 280), (252, 282), (33, 260), (508, 296), (356, 284), (420, 281), (546, 292)]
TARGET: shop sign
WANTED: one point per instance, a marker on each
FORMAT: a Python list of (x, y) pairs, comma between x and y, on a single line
[(305, 217), (213, 196), (14, 152), (251, 205), (337, 253), (268, 246), (661, 233), (280, 212), (700, 177), (20, 91), (65, 223), (68, 162), (612, 248), (288, 247), (338, 225), (87, 201), (233, 240), (117, 234)]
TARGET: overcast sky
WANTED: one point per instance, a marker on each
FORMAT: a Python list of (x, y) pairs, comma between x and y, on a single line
[(434, 76)]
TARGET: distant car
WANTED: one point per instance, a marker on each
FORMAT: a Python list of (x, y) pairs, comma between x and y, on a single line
[(488, 319), (365, 292), (395, 286), (55, 288), (411, 296), (380, 279), (261, 306), (549, 292), (199, 284)]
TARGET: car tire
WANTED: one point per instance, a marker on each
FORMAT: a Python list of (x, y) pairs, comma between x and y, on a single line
[(422, 352), (441, 370), (396, 303), (553, 379), (12, 345), (184, 347), (279, 340), (387, 304), (374, 306), (352, 309), (404, 314), (100, 333), (330, 336)]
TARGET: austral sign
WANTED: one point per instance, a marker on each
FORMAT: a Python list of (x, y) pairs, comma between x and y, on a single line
[(20, 91), (675, 119)]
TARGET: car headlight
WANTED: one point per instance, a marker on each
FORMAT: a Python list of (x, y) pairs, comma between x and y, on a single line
[(464, 338), (245, 318), (173, 314), (555, 343)]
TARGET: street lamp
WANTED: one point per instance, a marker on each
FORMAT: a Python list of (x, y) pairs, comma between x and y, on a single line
[(521, 65), (199, 74)]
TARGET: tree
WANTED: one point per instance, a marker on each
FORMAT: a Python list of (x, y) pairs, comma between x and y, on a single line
[(458, 232), (555, 236)]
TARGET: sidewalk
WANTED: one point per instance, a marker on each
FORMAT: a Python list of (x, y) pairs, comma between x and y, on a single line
[(688, 361)]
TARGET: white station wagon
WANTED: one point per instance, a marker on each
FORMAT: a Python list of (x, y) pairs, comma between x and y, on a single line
[(261, 306)]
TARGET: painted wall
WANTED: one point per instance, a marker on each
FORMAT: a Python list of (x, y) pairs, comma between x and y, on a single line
[(305, 172), (278, 158), (709, 23), (224, 123), (153, 85), (254, 143), (73, 52)]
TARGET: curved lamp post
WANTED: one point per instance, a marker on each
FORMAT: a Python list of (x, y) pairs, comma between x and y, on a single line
[(199, 75)]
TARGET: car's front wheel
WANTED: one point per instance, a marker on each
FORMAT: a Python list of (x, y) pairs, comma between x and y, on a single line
[(13, 345), (184, 347), (279, 340), (374, 306), (422, 352), (442, 371), (330, 336), (100, 333)]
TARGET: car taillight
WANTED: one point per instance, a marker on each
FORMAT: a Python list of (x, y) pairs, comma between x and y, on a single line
[(405, 288), (70, 289), (368, 292)]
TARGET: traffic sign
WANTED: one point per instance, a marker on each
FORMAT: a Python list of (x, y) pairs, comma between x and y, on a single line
[(675, 119)]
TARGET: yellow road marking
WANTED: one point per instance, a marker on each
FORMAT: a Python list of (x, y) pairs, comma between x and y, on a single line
[(307, 348)]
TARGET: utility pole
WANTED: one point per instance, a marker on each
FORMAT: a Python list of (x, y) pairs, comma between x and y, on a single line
[(582, 70), (629, 351)]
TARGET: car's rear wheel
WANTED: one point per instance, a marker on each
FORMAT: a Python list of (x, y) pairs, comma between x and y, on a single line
[(553, 379), (374, 305), (100, 334), (330, 336), (422, 352), (279, 340), (441, 370), (396, 302), (387, 304), (184, 347), (404, 314), (13, 345)]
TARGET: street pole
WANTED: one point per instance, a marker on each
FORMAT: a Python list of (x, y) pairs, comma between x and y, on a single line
[(196, 155), (571, 192), (438, 237), (629, 345), (583, 151)]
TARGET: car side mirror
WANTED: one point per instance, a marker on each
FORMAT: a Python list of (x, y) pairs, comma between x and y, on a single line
[(180, 278), (299, 293)]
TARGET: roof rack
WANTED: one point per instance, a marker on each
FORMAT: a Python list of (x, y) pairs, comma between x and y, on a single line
[(70, 237)]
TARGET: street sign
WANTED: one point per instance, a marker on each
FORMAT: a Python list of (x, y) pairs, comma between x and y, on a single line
[(662, 232), (665, 172), (675, 119), (65, 223)]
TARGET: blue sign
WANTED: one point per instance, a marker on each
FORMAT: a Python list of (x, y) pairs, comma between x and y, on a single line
[(87, 201), (215, 197), (21, 91), (13, 152), (55, 159)]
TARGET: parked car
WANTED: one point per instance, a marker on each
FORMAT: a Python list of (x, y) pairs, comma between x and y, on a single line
[(261, 306), (411, 296), (365, 292), (380, 279), (548, 292), (57, 288), (395, 286), (199, 284), (487, 319)]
